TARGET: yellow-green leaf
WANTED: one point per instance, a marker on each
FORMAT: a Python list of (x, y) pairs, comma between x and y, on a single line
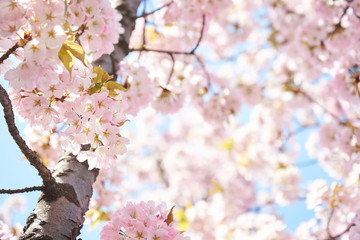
[(94, 89), (112, 87), (66, 58), (75, 50), (102, 75)]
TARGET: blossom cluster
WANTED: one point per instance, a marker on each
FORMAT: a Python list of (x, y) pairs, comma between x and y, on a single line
[(140, 88), (54, 81), (295, 76), (142, 221), (5, 233), (91, 119), (9, 230)]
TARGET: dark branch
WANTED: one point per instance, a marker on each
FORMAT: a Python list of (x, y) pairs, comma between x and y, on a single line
[(160, 51), (345, 231), (144, 30), (192, 52), (22, 190), (31, 155), (144, 14), (172, 68), (338, 26), (201, 34), (79, 32), (171, 53), (202, 65), (9, 52)]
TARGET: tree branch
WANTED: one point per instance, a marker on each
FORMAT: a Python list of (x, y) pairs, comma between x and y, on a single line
[(144, 14), (9, 52), (343, 232), (172, 53), (22, 190), (31, 155), (201, 34), (172, 68)]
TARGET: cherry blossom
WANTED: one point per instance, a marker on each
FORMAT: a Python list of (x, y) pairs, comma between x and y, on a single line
[(206, 112), (142, 221)]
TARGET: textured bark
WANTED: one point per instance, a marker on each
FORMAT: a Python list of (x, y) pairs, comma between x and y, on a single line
[(59, 213)]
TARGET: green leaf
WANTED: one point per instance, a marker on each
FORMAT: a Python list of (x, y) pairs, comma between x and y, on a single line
[(66, 58), (112, 87)]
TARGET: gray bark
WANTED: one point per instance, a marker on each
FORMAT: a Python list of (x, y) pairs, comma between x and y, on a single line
[(59, 213)]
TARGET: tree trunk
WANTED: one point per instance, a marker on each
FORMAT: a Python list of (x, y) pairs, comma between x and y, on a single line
[(60, 214)]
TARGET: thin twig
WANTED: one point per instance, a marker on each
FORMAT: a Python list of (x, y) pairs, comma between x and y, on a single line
[(79, 32), (338, 25), (343, 232), (328, 224), (144, 14), (144, 30), (160, 51), (172, 53), (201, 34), (172, 68), (8, 53), (113, 65), (22, 190), (31, 155), (295, 132), (307, 96), (202, 65)]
